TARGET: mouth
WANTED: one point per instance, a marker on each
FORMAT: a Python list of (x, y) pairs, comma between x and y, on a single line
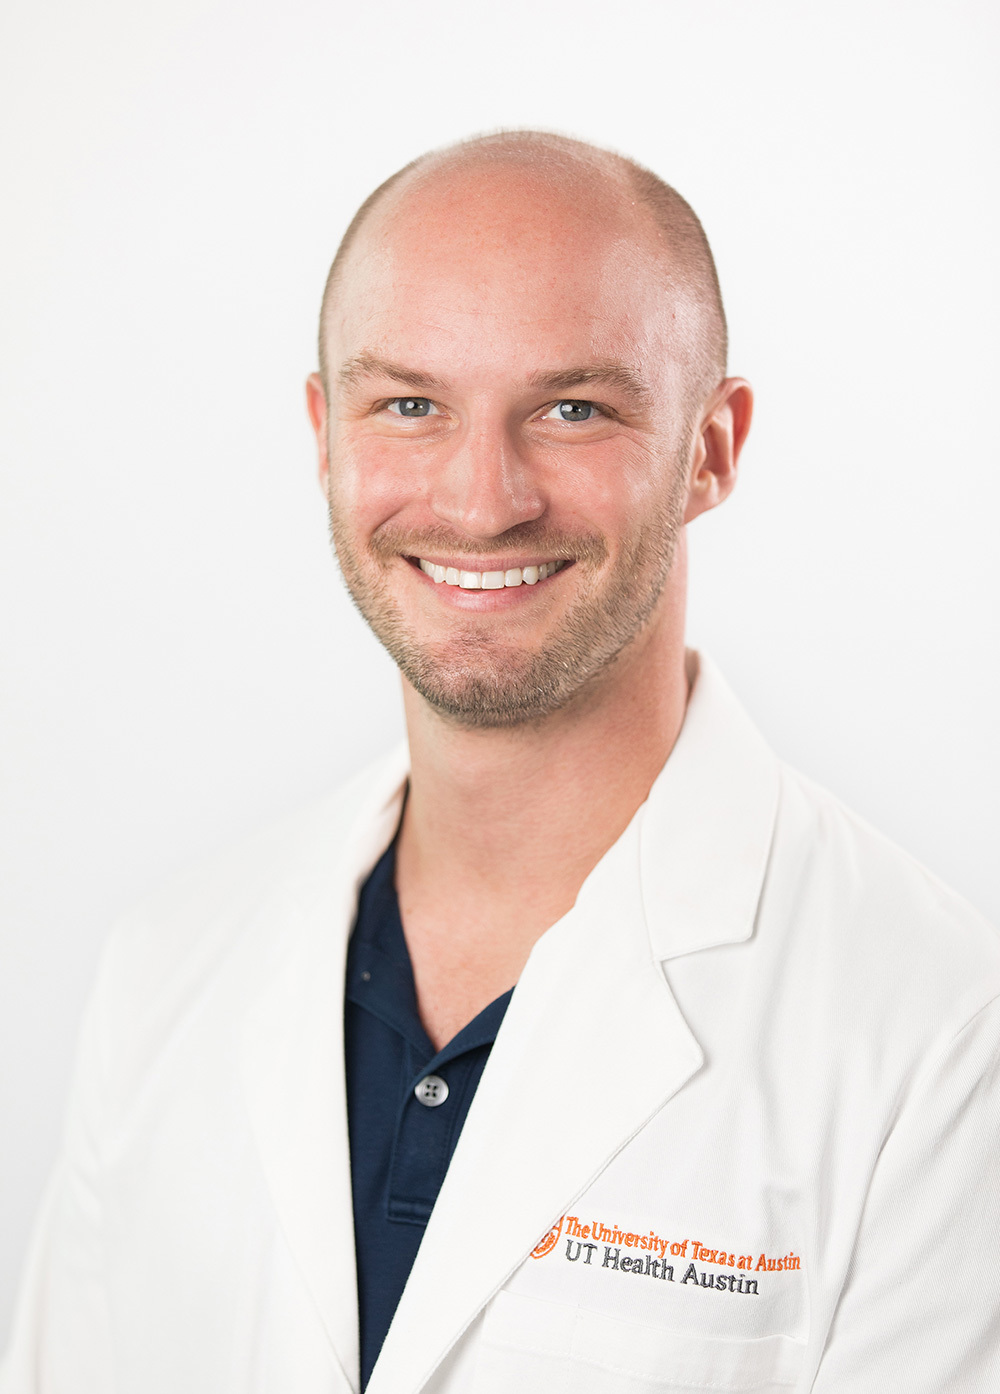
[(489, 580)]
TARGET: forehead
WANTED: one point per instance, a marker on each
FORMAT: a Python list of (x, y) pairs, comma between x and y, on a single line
[(499, 269)]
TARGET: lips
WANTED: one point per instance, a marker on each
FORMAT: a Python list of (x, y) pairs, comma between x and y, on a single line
[(490, 580)]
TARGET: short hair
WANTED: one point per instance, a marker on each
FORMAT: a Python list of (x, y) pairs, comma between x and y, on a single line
[(672, 215)]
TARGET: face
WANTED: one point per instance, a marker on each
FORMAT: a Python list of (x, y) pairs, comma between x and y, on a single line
[(507, 442)]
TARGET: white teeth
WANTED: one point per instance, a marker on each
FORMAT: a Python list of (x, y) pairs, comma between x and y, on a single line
[(436, 573), (490, 580)]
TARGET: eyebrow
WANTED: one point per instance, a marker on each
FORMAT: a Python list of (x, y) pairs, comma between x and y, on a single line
[(607, 374), (368, 365)]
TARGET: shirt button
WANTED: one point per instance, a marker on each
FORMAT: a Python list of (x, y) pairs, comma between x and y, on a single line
[(431, 1091)]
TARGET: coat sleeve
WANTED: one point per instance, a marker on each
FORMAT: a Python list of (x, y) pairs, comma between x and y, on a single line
[(920, 1308), (60, 1342)]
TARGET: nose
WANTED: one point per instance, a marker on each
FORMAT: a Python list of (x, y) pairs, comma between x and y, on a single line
[(485, 487)]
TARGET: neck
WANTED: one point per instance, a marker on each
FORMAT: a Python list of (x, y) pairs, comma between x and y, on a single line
[(502, 826), (550, 795)]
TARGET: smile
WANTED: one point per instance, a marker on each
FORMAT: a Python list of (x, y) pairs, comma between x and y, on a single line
[(490, 580)]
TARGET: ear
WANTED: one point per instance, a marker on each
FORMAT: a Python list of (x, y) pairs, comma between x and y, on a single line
[(318, 415), (723, 428)]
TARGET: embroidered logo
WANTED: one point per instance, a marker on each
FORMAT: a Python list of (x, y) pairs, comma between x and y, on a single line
[(546, 1245)]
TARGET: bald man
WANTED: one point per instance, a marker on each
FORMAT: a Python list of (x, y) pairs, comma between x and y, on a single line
[(580, 1045)]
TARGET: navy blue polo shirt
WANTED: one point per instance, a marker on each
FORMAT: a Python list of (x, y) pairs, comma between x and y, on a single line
[(400, 1144)]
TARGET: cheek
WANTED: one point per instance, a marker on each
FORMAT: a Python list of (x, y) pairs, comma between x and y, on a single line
[(370, 481), (613, 491)]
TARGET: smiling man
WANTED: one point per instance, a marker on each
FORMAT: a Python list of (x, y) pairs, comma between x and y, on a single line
[(582, 1045)]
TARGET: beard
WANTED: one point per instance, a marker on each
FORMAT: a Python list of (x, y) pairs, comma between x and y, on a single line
[(482, 680)]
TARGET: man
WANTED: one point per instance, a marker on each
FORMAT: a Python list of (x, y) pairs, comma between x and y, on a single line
[(646, 1065)]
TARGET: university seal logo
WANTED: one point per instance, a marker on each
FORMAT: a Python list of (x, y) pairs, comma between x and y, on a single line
[(550, 1241)]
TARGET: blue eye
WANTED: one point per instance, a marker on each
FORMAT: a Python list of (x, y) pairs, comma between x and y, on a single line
[(411, 406), (572, 411)]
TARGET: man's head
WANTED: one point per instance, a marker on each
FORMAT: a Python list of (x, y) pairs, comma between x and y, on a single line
[(522, 367)]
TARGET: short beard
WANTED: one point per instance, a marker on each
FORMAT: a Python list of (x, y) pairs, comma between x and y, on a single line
[(478, 681)]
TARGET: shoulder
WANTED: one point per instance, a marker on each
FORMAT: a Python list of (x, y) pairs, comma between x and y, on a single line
[(868, 923), (206, 941), (213, 901), (832, 940)]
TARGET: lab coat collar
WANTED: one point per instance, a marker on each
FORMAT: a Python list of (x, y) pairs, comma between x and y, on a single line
[(592, 1046), (708, 823)]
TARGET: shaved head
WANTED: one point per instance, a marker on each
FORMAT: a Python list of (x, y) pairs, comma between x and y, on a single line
[(647, 209)]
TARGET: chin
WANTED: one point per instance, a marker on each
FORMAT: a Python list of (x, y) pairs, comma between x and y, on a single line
[(501, 689), (502, 693)]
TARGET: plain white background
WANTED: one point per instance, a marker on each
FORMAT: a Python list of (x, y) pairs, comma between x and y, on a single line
[(179, 662)]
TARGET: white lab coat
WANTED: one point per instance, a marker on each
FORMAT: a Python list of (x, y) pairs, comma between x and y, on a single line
[(763, 1043)]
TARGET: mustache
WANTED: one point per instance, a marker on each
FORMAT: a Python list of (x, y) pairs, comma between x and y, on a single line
[(390, 541)]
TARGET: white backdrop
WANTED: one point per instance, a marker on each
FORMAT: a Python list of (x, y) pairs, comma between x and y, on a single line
[(179, 663)]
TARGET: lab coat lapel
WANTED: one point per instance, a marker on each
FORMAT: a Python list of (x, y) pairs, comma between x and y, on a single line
[(592, 1046), (293, 1061)]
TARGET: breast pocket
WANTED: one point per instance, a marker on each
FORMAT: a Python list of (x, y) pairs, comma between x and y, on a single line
[(530, 1344)]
